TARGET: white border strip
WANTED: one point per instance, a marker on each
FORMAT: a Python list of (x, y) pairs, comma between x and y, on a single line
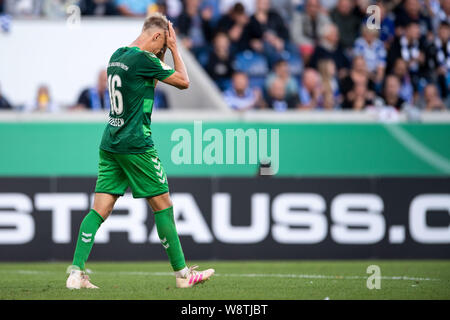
[(264, 116)]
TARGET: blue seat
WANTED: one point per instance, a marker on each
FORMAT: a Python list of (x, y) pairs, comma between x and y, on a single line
[(257, 82), (252, 63), (295, 63), (223, 84)]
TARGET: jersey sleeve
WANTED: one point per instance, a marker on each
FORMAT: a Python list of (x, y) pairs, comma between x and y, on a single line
[(151, 67)]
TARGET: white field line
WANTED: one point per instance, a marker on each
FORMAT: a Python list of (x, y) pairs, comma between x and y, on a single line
[(283, 275), (244, 275)]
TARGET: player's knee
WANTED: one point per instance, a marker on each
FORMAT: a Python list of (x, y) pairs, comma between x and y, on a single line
[(104, 204), (104, 211), (168, 201), (160, 202)]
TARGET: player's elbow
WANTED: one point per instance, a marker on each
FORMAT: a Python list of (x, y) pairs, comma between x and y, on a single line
[(184, 85)]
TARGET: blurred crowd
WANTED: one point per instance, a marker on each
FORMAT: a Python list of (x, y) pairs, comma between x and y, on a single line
[(95, 98), (294, 54)]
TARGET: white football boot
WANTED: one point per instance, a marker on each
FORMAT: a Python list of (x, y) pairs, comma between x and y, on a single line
[(78, 279), (193, 277)]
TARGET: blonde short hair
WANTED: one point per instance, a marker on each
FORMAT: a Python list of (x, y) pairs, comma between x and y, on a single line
[(156, 19)]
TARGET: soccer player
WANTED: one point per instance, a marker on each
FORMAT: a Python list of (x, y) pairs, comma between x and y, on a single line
[(127, 153)]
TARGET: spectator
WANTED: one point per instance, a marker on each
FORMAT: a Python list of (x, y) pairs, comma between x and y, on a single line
[(211, 11), (358, 98), (5, 23), (311, 91), (255, 65), (358, 87), (329, 48), (194, 29), (4, 103), (347, 22), (410, 48), (277, 98), (161, 7), (387, 24), (233, 23), (160, 100), (266, 32), (391, 97), (23, 8), (173, 9), (305, 27), (406, 88), (219, 65), (439, 57), (409, 12), (43, 102), (328, 78), (372, 50), (431, 99), (136, 8), (240, 96), (392, 5), (360, 8), (281, 72), (98, 8), (358, 74), (95, 98), (284, 8), (249, 5), (443, 12)]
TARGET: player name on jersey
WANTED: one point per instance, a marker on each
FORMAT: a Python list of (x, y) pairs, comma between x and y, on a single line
[(116, 122), (118, 64)]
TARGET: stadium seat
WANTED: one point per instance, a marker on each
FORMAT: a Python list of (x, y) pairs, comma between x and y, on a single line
[(255, 65), (295, 63)]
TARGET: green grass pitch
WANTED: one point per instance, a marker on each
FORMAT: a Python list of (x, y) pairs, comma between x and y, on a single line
[(234, 280)]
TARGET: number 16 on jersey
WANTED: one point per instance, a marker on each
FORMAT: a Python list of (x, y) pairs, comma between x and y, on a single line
[(115, 95)]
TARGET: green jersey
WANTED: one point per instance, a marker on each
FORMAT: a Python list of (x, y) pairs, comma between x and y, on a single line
[(131, 82)]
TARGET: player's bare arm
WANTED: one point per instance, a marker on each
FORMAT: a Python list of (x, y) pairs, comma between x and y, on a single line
[(179, 78)]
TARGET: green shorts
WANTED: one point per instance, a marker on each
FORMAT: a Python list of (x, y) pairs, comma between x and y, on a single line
[(142, 172)]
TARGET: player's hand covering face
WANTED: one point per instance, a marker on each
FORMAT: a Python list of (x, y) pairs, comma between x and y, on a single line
[(171, 37), (162, 52)]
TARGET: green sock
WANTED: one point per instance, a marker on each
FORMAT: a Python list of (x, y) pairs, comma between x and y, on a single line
[(88, 229), (167, 232)]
